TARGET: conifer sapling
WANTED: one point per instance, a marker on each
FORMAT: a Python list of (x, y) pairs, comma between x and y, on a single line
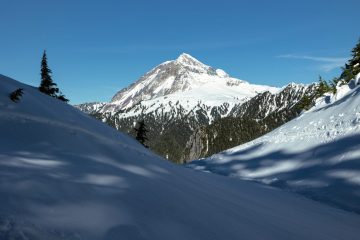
[(141, 133), (16, 95), (47, 85)]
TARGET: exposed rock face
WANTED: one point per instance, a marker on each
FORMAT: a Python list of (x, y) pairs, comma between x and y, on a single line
[(266, 103)]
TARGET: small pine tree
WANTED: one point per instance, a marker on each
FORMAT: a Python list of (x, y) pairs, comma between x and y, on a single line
[(62, 97), (141, 132), (352, 67), (16, 95), (323, 87), (305, 103), (355, 61), (333, 85), (47, 85)]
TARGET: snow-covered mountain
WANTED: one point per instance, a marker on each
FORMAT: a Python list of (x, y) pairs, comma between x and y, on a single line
[(65, 175), (316, 154), (185, 78), (179, 96), (184, 82)]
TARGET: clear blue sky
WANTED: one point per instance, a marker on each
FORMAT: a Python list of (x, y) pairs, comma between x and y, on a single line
[(95, 48)]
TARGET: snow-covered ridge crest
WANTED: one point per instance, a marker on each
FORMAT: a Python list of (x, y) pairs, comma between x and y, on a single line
[(341, 91)]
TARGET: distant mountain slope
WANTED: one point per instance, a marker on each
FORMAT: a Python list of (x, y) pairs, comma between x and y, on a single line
[(316, 154), (253, 118), (65, 175), (91, 108)]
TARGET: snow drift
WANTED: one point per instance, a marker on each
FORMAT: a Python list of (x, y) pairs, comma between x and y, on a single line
[(65, 175), (316, 154)]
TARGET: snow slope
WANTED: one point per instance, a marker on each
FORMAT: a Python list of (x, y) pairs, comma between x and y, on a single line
[(316, 154), (65, 175)]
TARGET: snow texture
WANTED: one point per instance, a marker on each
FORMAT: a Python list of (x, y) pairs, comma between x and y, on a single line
[(316, 154), (65, 175)]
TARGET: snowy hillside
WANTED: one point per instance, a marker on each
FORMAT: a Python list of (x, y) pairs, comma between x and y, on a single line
[(316, 154), (65, 175)]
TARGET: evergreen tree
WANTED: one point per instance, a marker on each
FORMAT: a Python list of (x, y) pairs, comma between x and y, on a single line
[(305, 103), (62, 97), (333, 84), (47, 85), (355, 61), (16, 95), (323, 87), (141, 133), (352, 68)]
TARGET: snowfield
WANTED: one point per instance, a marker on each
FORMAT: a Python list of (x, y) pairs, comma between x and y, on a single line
[(316, 154), (65, 175)]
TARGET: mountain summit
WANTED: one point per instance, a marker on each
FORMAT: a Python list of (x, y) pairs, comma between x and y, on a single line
[(182, 75), (187, 59)]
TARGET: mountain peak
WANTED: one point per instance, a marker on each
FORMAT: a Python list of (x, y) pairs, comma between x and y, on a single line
[(185, 56), (187, 59), (183, 74)]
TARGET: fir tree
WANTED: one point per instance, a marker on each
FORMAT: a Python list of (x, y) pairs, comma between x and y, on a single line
[(16, 95), (47, 85), (62, 98), (323, 87), (305, 103), (141, 133), (352, 67), (333, 84), (355, 61)]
